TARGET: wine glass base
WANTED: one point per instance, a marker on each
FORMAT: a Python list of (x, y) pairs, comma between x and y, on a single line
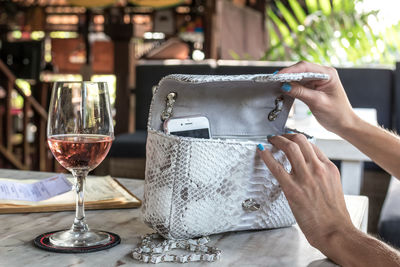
[(70, 238), (43, 242)]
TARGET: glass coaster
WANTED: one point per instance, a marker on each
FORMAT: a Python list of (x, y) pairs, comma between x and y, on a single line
[(42, 242)]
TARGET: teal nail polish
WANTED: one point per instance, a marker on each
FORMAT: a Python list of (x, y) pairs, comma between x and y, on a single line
[(261, 147), (276, 72), (286, 87), (270, 135), (290, 132)]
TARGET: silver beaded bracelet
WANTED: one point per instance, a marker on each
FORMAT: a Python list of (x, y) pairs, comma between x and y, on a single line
[(153, 249)]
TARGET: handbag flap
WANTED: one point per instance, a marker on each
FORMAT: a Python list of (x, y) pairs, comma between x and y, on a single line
[(235, 105)]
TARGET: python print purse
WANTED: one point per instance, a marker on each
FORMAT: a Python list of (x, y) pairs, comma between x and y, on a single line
[(196, 187)]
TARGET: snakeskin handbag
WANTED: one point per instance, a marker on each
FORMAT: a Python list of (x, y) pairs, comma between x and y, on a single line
[(196, 187)]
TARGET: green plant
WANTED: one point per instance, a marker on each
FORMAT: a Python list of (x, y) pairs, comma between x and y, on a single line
[(328, 32)]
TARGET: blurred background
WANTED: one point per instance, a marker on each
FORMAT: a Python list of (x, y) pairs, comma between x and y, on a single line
[(131, 44)]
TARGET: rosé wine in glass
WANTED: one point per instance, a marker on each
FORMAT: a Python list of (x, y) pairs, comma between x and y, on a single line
[(79, 151)]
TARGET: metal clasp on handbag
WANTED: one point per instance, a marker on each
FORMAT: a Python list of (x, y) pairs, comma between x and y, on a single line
[(169, 108), (278, 108), (250, 205)]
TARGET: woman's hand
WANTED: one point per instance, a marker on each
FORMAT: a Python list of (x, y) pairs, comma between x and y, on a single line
[(315, 196), (326, 99), (313, 189)]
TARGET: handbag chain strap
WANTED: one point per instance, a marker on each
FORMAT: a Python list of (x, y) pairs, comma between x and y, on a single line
[(152, 250)]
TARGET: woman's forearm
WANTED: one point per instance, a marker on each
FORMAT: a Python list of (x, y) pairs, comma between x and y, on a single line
[(354, 248), (382, 146)]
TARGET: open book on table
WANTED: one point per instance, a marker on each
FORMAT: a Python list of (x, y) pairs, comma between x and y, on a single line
[(100, 193)]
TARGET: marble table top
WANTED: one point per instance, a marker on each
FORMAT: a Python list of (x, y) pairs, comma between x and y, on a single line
[(278, 247)]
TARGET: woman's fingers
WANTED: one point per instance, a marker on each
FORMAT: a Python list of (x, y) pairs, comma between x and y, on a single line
[(305, 146), (321, 156), (310, 92), (310, 151), (292, 152), (277, 170)]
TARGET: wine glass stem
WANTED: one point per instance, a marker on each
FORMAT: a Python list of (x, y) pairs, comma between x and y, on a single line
[(79, 224)]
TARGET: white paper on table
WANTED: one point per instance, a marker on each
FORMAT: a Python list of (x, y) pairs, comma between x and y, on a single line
[(38, 191)]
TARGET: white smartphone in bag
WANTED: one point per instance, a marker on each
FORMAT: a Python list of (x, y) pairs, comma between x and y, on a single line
[(191, 126)]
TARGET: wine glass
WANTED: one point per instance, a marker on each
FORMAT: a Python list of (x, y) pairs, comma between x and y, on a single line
[(79, 133)]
